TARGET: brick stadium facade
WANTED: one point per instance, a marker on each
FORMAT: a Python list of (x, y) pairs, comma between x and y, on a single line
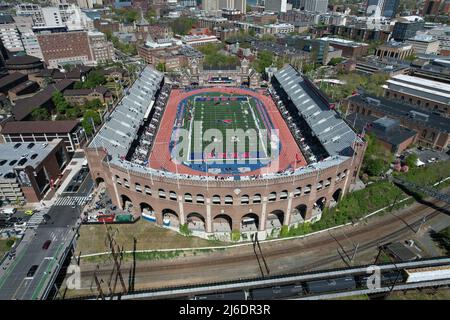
[(291, 193), (288, 198)]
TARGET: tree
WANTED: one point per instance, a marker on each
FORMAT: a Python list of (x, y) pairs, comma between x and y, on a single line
[(377, 158), (88, 117), (94, 115), (60, 102), (335, 61), (40, 114), (263, 61), (150, 15), (73, 113), (94, 79), (375, 167), (161, 67), (95, 104), (182, 25), (411, 160)]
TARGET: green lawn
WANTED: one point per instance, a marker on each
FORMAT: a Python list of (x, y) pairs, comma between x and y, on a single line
[(4, 246), (148, 236), (223, 116)]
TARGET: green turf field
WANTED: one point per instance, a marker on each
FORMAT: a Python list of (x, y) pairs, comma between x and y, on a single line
[(223, 115)]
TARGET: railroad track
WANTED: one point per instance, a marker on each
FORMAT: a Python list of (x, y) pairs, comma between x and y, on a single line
[(287, 250), (273, 253)]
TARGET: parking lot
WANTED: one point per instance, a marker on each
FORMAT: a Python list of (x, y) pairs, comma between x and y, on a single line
[(427, 155)]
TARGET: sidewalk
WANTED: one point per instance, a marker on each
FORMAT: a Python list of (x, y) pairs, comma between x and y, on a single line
[(52, 195)]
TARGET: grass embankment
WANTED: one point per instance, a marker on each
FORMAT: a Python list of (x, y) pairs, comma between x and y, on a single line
[(378, 195), (429, 174), (93, 238), (151, 255), (5, 245), (353, 207)]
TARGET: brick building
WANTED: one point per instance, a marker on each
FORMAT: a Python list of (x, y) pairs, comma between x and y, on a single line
[(433, 131)]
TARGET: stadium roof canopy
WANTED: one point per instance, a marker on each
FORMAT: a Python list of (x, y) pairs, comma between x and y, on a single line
[(121, 127), (334, 134)]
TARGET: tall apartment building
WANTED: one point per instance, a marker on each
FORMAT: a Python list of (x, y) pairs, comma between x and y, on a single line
[(431, 7), (215, 5), (10, 36), (47, 16), (316, 5), (385, 8), (276, 5)]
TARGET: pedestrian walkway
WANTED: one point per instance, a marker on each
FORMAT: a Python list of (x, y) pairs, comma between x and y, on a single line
[(71, 200), (36, 219)]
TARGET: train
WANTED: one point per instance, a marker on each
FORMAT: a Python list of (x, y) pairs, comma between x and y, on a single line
[(332, 285)]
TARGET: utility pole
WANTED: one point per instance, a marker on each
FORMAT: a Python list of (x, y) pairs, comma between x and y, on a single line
[(115, 252), (98, 284)]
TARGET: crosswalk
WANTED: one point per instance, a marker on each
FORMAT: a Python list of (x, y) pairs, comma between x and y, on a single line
[(70, 201), (36, 219)]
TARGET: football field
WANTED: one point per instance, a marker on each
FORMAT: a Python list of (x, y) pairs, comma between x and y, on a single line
[(231, 115)]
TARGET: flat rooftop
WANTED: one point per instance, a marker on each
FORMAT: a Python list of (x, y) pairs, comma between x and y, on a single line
[(403, 111), (18, 155)]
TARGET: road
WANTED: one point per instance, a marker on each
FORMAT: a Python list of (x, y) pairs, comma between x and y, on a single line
[(311, 253), (14, 283)]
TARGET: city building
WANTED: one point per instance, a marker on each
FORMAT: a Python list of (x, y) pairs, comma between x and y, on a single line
[(23, 90), (423, 93), (29, 170), (371, 65), (78, 47), (385, 8), (69, 131), (441, 33), (356, 33), (47, 16), (425, 44), (350, 49), (43, 99), (24, 64), (431, 7), (173, 57), (388, 132), (394, 50), (102, 49), (279, 28), (10, 34), (82, 96), (275, 5), (433, 130), (407, 29), (234, 76), (11, 80), (320, 6), (199, 40)]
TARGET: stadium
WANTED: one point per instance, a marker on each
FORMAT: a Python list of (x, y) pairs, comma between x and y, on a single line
[(225, 159)]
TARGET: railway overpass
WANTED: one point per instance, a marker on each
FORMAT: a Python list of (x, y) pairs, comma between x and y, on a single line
[(292, 286)]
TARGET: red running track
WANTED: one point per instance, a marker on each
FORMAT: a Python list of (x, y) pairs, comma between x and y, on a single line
[(160, 155)]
